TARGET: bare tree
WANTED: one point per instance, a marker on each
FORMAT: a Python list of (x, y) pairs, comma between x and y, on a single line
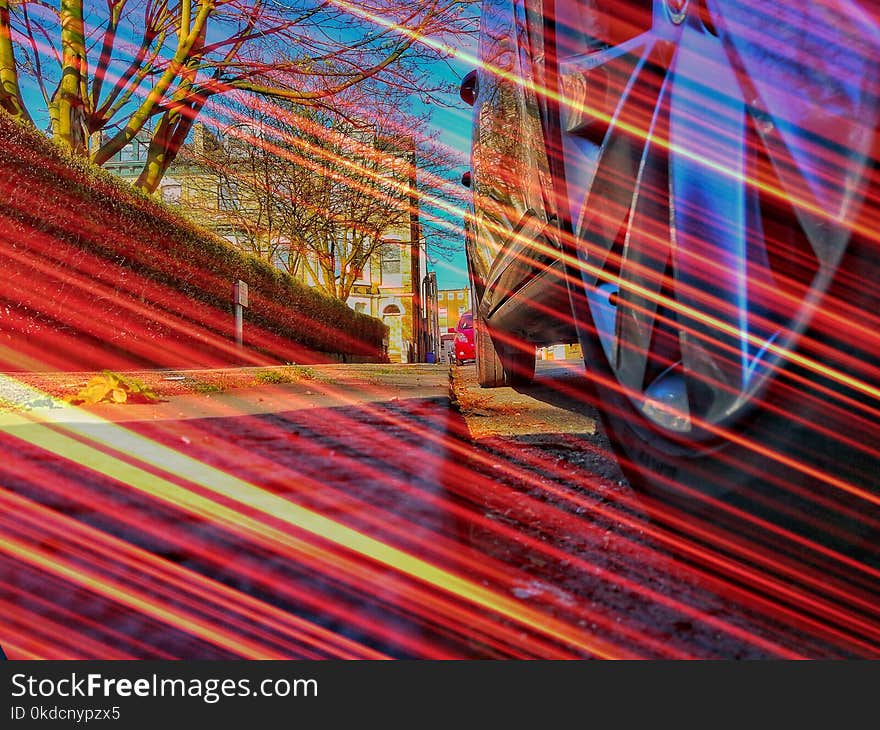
[(230, 182), (128, 66), (317, 192)]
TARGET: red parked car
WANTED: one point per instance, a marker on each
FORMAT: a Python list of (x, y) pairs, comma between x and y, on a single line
[(464, 339)]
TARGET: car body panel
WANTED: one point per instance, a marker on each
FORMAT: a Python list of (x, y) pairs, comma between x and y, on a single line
[(508, 242), (464, 338)]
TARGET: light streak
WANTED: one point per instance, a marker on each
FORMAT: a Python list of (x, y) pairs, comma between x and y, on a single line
[(276, 509)]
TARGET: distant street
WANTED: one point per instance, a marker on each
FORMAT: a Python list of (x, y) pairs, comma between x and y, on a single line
[(357, 514)]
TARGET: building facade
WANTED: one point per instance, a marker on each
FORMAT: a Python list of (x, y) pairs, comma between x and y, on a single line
[(385, 290), (451, 304), (389, 286)]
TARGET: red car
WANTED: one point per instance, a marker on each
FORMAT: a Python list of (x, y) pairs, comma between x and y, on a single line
[(464, 339)]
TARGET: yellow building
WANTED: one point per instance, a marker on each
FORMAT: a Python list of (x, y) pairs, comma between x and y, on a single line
[(385, 290), (451, 304)]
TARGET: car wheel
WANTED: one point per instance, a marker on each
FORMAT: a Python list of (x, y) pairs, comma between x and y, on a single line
[(490, 371), (500, 360), (519, 362), (723, 221)]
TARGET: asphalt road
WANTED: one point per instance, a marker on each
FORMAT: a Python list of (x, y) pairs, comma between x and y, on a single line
[(360, 515)]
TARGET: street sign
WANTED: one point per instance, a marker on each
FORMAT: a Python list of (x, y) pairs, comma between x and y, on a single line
[(240, 294), (240, 300)]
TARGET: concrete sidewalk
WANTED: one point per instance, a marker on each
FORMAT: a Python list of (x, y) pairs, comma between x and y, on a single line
[(329, 386), (554, 403)]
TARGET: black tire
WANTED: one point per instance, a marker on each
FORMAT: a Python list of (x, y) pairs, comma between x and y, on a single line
[(519, 364), (803, 459), (490, 371), (501, 361)]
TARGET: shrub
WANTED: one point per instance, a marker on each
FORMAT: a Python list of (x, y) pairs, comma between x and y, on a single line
[(97, 275)]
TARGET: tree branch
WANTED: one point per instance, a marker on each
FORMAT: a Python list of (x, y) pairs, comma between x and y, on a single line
[(38, 66), (145, 110)]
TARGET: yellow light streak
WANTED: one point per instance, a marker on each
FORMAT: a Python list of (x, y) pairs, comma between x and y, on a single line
[(62, 439)]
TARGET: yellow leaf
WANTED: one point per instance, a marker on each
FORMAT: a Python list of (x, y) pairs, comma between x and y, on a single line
[(119, 395), (95, 393)]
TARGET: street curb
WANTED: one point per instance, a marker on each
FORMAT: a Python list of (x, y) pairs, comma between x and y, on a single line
[(453, 393)]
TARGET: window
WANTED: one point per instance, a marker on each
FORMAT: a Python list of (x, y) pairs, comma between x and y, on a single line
[(131, 152), (362, 262), (460, 295), (227, 196), (360, 307), (391, 258), (441, 295)]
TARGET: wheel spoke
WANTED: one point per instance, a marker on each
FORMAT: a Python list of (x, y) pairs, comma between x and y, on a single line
[(645, 258), (715, 162), (594, 82), (709, 197), (810, 76), (602, 147)]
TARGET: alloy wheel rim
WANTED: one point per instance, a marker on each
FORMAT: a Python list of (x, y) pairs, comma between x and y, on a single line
[(714, 170)]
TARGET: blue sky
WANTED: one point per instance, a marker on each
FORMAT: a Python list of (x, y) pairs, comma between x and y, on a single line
[(452, 125)]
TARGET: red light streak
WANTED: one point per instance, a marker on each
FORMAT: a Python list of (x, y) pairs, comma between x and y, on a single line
[(259, 510), (300, 517)]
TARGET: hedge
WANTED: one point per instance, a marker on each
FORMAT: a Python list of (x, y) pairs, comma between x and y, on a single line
[(98, 275)]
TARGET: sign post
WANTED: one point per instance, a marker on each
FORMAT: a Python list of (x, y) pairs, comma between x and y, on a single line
[(240, 300)]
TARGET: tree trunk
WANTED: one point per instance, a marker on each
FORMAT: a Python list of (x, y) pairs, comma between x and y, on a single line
[(10, 92), (175, 125), (68, 118), (157, 157), (327, 272), (169, 135)]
